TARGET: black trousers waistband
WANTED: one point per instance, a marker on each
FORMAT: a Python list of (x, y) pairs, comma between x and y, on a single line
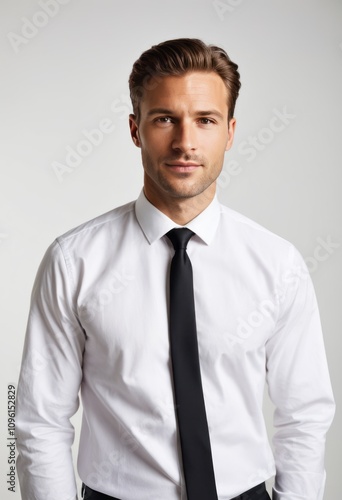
[(257, 493)]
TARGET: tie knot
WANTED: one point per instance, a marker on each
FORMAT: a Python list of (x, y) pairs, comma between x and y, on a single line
[(179, 237)]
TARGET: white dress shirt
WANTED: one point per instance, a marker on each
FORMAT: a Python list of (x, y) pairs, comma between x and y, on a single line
[(99, 323)]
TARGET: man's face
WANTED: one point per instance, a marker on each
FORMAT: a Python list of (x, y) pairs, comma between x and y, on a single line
[(183, 134)]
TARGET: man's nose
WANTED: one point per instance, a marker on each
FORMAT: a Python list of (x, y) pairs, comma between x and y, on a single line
[(185, 138)]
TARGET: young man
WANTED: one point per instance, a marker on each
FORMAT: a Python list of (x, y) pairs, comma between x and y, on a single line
[(108, 317)]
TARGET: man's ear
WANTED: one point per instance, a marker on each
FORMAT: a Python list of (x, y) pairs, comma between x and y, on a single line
[(133, 126), (231, 132)]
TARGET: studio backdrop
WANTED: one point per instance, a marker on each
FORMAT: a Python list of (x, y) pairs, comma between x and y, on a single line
[(67, 156)]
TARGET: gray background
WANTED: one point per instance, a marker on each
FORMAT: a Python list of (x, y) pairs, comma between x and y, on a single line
[(70, 73)]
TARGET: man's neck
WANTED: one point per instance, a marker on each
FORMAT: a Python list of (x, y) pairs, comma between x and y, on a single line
[(182, 210)]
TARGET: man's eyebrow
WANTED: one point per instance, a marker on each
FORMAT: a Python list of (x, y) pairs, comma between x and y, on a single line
[(210, 112), (159, 111), (165, 111)]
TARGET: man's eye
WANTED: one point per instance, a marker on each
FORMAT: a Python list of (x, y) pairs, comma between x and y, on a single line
[(164, 119), (206, 121)]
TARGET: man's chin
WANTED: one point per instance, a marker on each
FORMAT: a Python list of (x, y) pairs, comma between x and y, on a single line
[(182, 192)]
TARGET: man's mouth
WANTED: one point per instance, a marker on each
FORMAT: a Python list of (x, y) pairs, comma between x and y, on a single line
[(180, 166)]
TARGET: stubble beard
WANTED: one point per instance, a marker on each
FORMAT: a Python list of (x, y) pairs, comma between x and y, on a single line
[(180, 186)]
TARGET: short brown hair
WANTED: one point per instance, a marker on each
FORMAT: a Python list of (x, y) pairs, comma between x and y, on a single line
[(177, 57)]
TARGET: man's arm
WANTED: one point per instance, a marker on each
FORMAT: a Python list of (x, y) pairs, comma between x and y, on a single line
[(299, 386), (49, 383)]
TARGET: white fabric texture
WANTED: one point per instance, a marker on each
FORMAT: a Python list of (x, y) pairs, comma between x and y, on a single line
[(99, 324)]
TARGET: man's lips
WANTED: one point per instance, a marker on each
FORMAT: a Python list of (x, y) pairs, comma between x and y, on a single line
[(182, 166)]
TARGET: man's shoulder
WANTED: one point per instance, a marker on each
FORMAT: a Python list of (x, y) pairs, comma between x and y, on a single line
[(243, 222), (253, 234), (109, 221)]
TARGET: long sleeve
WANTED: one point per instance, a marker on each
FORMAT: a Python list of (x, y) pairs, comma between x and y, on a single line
[(48, 386), (299, 387), (99, 326)]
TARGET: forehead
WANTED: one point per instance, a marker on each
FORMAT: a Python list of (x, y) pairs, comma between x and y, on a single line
[(194, 89)]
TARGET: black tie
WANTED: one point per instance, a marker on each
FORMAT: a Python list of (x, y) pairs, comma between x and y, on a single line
[(192, 420)]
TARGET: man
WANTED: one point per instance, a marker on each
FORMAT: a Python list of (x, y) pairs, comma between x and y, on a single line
[(105, 306)]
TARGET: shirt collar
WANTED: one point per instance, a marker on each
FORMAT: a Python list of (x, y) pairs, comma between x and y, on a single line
[(155, 224)]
